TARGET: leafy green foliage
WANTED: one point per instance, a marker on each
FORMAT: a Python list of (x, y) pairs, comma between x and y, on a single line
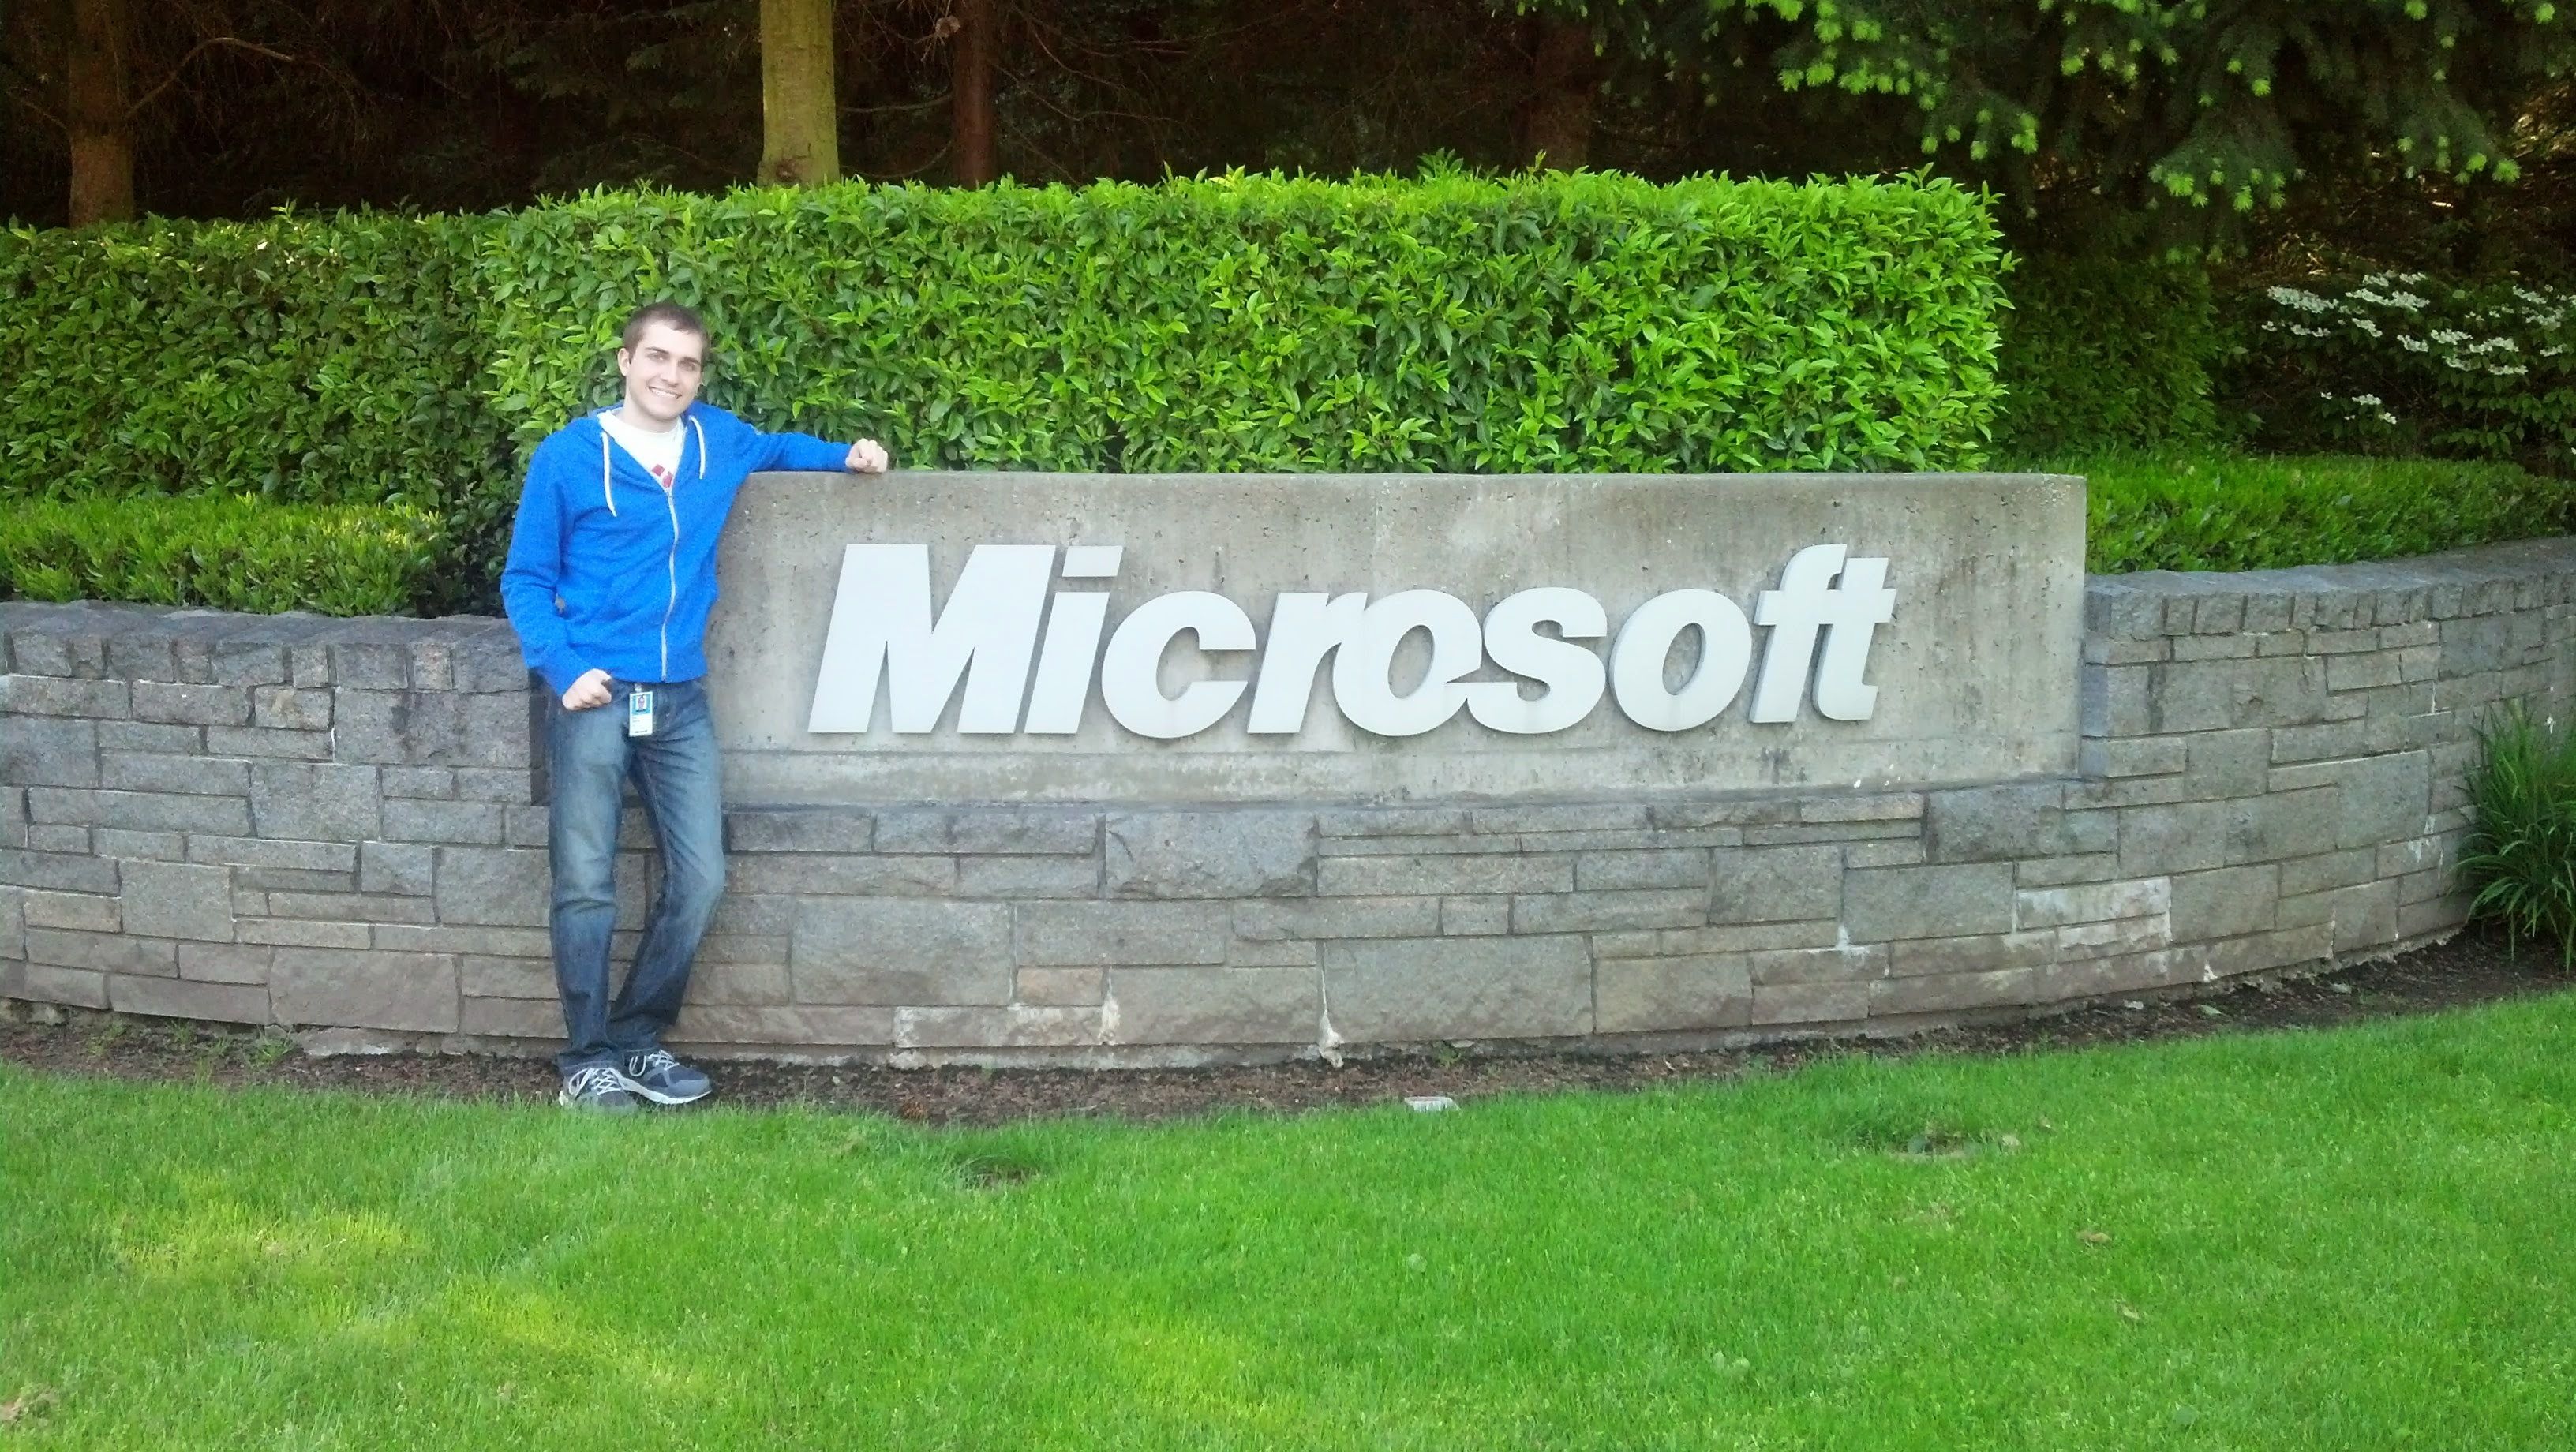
[(2107, 355), (2200, 113), (2519, 861), (333, 359), (2253, 512), (1539, 323), (304, 358), (1545, 323), (2405, 363), (231, 553)]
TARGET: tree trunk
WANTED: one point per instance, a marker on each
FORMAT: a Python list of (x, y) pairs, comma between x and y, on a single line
[(800, 141), (101, 117), (1565, 77), (971, 93)]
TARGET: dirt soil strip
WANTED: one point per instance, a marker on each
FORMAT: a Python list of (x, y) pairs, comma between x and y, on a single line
[(2473, 968)]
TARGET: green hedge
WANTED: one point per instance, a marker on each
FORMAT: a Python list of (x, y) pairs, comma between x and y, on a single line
[(2255, 512), (1541, 323), (328, 359), (2102, 355), (223, 551), (335, 359)]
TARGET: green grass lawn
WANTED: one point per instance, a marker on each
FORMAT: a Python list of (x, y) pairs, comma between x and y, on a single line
[(2356, 1239), (2232, 511)]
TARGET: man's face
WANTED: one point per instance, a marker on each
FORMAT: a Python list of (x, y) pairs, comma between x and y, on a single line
[(663, 371)]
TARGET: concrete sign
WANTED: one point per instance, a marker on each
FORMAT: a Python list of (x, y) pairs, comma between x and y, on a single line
[(1056, 637)]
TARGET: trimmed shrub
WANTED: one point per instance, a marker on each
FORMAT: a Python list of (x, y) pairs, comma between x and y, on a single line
[(2519, 861), (335, 359), (2101, 356), (222, 551), (2403, 363), (1539, 323), (2250, 512)]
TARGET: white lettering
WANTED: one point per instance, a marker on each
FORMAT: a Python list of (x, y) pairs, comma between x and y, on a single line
[(1363, 668), (1572, 675), (1637, 659), (1092, 562), (1841, 694), (1063, 685), (1072, 647), (1802, 605), (1129, 683), (1822, 621), (1305, 626), (881, 626)]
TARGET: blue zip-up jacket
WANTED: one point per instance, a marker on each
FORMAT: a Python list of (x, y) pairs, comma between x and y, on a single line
[(609, 572)]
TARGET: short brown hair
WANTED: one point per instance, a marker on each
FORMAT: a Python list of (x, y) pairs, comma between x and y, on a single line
[(667, 313)]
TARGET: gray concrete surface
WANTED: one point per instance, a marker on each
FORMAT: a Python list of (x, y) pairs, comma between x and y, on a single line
[(1972, 672)]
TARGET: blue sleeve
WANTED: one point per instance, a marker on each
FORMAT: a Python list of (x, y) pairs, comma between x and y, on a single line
[(802, 453), (533, 571)]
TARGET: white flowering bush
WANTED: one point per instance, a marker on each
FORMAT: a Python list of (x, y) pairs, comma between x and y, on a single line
[(2406, 363)]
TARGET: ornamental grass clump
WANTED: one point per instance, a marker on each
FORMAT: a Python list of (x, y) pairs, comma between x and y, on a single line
[(2520, 857)]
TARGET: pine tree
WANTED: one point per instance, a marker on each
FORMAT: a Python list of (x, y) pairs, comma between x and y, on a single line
[(2199, 112)]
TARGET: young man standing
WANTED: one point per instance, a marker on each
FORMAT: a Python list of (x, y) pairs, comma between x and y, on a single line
[(611, 573)]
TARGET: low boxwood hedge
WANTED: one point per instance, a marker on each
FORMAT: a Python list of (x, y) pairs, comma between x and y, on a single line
[(2220, 511), (224, 551)]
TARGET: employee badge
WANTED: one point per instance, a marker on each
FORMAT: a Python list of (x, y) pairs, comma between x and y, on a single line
[(639, 713)]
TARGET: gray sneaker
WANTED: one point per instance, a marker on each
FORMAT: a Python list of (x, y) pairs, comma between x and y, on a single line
[(663, 1079), (599, 1088)]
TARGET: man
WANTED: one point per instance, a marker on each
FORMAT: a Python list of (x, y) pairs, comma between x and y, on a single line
[(611, 572)]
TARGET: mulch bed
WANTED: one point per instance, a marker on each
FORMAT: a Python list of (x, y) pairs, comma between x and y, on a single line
[(2473, 968)]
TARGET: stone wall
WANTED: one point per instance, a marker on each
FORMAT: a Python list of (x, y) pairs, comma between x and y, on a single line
[(330, 825)]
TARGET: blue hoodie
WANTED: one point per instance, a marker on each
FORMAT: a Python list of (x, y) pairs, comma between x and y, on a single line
[(609, 572)]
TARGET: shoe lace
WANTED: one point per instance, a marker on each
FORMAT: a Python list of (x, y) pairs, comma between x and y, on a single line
[(598, 1079), (654, 1061)]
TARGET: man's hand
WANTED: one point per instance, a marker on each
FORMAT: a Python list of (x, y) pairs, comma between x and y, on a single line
[(867, 456), (588, 693)]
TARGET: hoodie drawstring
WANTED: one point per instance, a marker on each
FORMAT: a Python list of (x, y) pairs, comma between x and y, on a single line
[(610, 496), (604, 491)]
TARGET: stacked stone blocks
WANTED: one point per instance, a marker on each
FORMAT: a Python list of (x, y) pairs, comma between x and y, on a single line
[(333, 824)]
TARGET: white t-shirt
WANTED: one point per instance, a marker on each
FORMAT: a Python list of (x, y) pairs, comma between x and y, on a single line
[(659, 453)]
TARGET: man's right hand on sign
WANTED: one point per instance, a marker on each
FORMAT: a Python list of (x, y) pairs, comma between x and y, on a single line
[(587, 693)]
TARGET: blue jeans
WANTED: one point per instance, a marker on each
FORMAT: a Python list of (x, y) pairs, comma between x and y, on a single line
[(590, 758)]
